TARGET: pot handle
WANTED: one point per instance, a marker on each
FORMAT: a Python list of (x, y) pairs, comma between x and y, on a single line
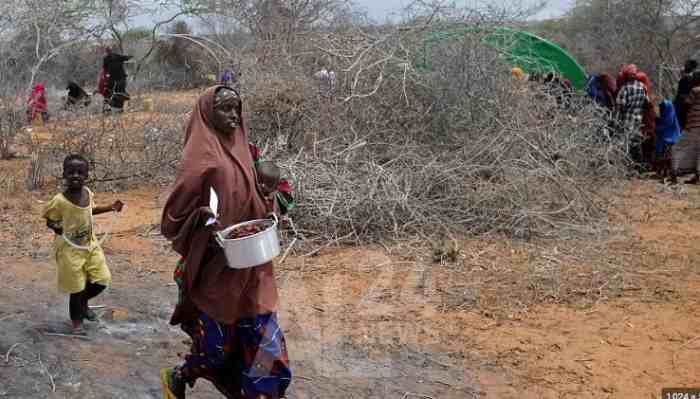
[(219, 239), (274, 217)]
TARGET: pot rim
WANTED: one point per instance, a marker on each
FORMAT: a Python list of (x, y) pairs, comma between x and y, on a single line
[(254, 221)]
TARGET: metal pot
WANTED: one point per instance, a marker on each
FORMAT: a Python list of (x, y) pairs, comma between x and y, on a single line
[(253, 250)]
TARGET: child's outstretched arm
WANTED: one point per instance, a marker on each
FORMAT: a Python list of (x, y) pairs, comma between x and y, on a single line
[(115, 207)]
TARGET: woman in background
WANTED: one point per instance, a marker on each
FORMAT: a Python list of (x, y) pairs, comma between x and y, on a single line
[(37, 104)]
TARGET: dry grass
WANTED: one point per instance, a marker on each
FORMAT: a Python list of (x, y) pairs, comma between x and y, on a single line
[(131, 148)]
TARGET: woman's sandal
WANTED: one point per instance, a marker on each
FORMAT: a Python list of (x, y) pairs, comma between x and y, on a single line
[(172, 389)]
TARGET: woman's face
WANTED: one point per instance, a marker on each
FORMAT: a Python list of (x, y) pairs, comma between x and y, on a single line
[(226, 106)]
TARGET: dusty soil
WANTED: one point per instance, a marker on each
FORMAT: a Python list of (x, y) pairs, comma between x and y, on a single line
[(374, 322)]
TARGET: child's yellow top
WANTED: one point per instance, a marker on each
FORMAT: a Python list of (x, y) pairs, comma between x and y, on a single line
[(76, 266)]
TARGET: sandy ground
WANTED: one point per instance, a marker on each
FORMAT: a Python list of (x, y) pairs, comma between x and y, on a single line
[(367, 322)]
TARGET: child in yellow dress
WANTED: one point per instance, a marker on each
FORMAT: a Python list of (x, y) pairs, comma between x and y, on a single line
[(82, 269)]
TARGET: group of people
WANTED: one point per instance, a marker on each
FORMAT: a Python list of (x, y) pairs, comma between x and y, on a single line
[(229, 314), (630, 100), (660, 135), (111, 85)]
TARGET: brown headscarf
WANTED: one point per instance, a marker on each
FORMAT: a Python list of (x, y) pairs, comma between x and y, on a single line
[(212, 159)]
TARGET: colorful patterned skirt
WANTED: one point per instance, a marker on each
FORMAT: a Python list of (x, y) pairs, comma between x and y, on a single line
[(244, 360)]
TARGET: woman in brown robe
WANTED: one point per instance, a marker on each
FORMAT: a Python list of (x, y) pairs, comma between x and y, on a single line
[(230, 314)]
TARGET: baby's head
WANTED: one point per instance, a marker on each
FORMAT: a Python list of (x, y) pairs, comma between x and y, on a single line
[(75, 171), (268, 176)]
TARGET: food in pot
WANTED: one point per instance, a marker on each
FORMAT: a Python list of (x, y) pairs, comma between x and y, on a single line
[(247, 230)]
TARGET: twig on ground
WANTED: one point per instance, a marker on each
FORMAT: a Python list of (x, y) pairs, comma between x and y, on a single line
[(9, 351), (10, 315), (685, 345), (85, 337), (328, 244), (286, 252), (419, 395), (43, 366)]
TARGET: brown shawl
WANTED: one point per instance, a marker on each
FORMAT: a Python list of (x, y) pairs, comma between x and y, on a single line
[(211, 159)]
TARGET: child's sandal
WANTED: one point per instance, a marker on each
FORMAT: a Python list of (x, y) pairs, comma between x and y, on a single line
[(90, 315), (79, 331)]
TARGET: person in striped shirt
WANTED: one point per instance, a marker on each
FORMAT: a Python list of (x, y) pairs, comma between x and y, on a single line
[(631, 101)]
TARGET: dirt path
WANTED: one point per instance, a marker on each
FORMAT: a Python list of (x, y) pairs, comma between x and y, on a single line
[(364, 322)]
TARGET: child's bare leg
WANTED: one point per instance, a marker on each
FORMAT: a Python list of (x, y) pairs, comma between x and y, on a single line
[(91, 290), (76, 307)]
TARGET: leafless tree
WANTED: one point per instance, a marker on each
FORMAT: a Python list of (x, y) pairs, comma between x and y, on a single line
[(36, 38), (277, 25)]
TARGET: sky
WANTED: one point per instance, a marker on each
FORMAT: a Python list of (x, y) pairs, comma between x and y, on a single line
[(380, 9)]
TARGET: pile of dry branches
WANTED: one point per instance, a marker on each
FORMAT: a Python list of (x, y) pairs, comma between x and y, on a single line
[(400, 151), (519, 179)]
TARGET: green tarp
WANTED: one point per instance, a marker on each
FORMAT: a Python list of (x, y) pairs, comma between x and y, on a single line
[(535, 54), (522, 49)]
